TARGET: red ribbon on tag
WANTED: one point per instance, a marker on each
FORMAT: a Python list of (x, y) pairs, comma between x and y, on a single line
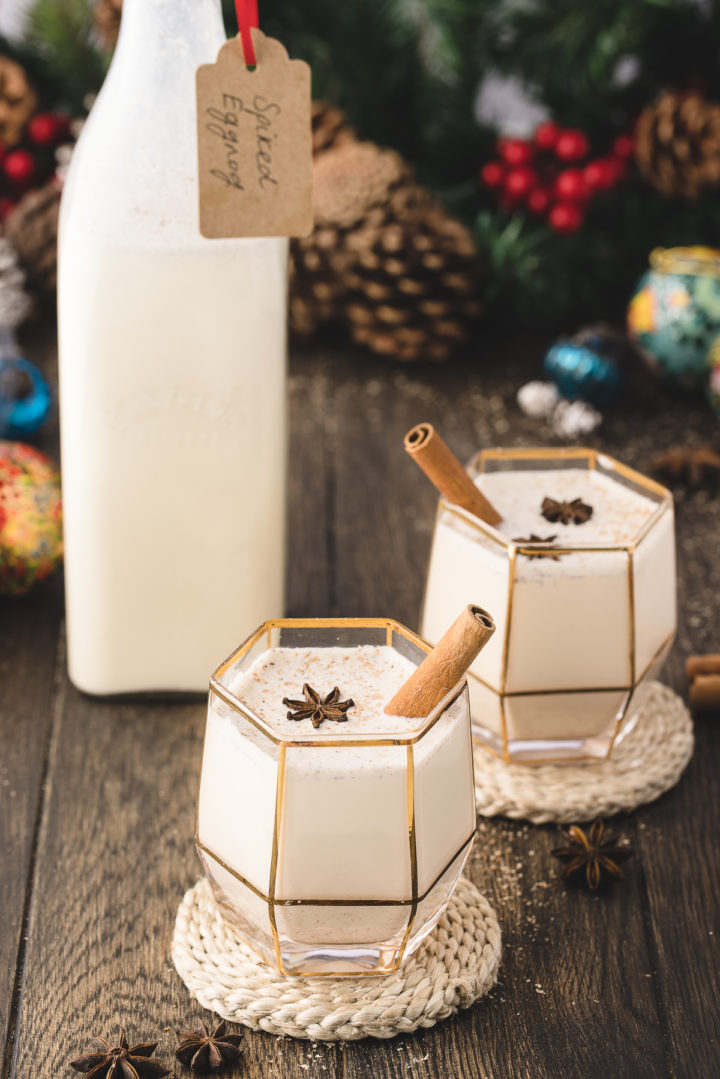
[(247, 17)]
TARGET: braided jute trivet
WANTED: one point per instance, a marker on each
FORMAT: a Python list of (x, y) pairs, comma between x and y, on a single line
[(645, 764), (453, 968)]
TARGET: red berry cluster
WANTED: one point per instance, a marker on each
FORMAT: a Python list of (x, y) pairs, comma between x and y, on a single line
[(32, 162), (551, 176)]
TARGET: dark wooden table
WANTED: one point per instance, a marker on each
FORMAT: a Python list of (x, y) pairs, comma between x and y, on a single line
[(97, 798)]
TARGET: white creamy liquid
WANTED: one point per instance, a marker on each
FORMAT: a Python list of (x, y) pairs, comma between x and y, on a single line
[(343, 826), (571, 622), (173, 458), (172, 391)]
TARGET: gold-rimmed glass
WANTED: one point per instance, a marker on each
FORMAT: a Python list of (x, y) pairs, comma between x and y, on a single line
[(393, 835), (578, 634)]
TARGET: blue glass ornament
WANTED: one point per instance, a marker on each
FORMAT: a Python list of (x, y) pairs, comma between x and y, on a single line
[(25, 398), (586, 366)]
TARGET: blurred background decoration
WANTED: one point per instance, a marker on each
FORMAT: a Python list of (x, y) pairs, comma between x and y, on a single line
[(475, 159)]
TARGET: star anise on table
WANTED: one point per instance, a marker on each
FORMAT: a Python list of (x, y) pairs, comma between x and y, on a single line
[(594, 855), (120, 1061), (317, 709), (576, 512), (203, 1051), (532, 538), (690, 466)]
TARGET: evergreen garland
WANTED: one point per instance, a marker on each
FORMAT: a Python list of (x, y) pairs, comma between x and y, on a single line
[(408, 72)]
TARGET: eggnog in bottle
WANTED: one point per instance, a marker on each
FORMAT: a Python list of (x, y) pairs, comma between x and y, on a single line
[(172, 382)]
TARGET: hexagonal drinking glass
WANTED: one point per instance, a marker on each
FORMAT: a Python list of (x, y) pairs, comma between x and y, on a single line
[(333, 850), (585, 613)]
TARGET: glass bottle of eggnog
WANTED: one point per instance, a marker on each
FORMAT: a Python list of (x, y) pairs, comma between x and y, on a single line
[(172, 382)]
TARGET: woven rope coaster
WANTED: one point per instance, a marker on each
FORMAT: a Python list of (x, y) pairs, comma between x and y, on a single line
[(453, 968), (645, 764)]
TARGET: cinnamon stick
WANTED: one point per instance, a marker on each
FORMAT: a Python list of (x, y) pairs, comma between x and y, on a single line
[(444, 666), (442, 467), (705, 693), (695, 665)]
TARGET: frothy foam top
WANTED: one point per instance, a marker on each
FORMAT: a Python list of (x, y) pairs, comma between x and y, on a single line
[(369, 674), (618, 512)]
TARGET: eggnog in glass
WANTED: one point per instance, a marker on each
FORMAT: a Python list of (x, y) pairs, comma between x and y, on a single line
[(332, 835), (579, 571)]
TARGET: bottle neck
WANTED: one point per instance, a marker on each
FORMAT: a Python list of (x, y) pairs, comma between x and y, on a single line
[(170, 34)]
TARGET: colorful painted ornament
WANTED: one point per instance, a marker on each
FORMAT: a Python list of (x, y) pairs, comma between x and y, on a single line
[(586, 366), (674, 314), (30, 518), (25, 399), (712, 386)]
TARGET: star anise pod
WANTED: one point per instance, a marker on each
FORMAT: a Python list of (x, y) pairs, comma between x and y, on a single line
[(120, 1061), (532, 538), (576, 512), (690, 466), (205, 1052), (318, 710), (595, 855)]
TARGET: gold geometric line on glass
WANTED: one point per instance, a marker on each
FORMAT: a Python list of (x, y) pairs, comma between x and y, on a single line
[(620, 716), (270, 910), (502, 737), (412, 839), (336, 902), (512, 561), (631, 617), (279, 805), (388, 624), (582, 689), (345, 743)]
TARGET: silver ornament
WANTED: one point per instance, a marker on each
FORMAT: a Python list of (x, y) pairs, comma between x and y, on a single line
[(575, 419)]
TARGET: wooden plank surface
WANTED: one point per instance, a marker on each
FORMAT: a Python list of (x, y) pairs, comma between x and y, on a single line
[(622, 985), (29, 673)]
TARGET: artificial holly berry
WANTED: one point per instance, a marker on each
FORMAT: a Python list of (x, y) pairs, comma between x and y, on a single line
[(565, 217), (546, 135), (624, 147), (538, 201), (571, 145), (599, 175), (519, 182), (20, 168), (492, 174), (617, 167), (515, 151), (570, 185), (47, 128)]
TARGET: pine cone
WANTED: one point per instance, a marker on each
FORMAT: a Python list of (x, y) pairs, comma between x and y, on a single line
[(414, 287), (106, 22), (677, 144), (348, 182), (316, 263), (329, 127), (18, 101), (32, 230), (384, 257)]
